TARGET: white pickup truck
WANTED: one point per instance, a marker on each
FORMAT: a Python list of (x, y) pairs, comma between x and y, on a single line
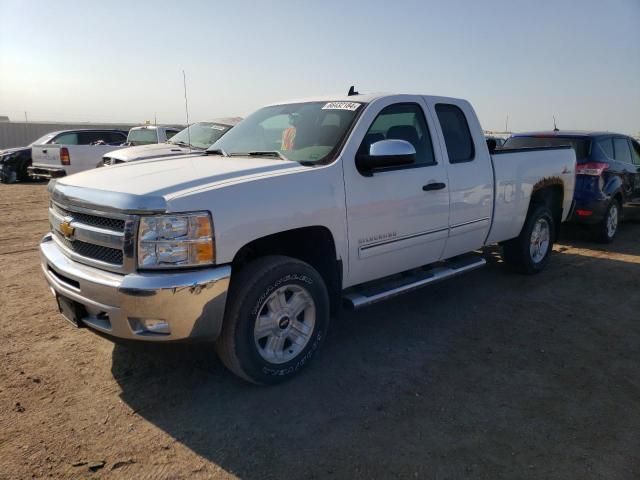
[(72, 151), (300, 209), (194, 139), (150, 135)]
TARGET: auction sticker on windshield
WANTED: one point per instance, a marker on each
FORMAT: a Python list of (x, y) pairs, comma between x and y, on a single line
[(352, 106)]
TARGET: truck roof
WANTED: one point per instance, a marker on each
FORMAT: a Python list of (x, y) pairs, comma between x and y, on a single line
[(363, 98), (564, 133), (87, 130)]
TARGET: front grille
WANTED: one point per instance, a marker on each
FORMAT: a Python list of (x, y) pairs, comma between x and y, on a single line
[(94, 252), (114, 224)]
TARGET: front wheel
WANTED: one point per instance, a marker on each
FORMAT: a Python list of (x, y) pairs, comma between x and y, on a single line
[(277, 317), (529, 252)]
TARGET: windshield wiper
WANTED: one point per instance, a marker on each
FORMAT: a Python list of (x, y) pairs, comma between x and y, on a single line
[(216, 151), (261, 153)]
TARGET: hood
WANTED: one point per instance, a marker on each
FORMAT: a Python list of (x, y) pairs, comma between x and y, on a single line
[(132, 186), (6, 151), (155, 150)]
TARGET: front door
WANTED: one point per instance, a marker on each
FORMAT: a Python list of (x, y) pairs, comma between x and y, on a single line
[(397, 218)]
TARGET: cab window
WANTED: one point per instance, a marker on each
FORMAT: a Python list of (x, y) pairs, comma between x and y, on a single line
[(402, 121), (457, 136)]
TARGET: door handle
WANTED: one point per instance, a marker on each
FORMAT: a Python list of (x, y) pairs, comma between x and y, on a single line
[(44, 151), (433, 186)]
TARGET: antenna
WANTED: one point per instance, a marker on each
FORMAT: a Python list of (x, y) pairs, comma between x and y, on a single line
[(186, 108), (555, 128), (352, 91), (506, 124)]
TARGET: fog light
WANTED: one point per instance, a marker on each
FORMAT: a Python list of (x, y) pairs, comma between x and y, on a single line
[(156, 326), (140, 326)]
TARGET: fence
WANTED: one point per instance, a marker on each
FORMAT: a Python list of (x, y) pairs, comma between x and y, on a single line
[(19, 134)]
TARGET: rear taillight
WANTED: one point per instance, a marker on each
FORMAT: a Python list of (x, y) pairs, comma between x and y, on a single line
[(591, 168), (65, 159)]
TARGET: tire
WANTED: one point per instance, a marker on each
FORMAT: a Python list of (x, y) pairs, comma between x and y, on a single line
[(606, 230), (8, 174), (520, 253), (263, 339)]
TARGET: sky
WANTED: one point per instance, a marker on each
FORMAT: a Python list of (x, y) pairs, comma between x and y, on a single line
[(122, 61)]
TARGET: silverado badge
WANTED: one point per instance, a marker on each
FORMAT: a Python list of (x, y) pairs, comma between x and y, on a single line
[(66, 229)]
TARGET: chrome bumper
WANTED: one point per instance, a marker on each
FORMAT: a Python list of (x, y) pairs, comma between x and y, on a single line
[(46, 172), (192, 303)]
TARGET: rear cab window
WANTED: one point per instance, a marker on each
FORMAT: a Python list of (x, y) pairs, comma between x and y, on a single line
[(142, 136), (457, 136), (66, 139)]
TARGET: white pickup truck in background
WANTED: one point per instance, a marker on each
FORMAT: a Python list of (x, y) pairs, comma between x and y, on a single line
[(300, 209), (72, 151), (150, 134), (192, 140)]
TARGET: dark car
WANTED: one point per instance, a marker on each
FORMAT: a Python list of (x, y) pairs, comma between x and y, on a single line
[(607, 174), (14, 162)]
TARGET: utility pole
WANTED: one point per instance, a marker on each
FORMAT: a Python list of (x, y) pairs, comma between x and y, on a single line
[(26, 120), (506, 124)]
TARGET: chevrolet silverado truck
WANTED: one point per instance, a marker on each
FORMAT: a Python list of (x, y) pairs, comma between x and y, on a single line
[(300, 210), (72, 151), (194, 139), (150, 134)]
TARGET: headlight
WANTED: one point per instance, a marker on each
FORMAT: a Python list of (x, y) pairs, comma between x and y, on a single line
[(168, 241)]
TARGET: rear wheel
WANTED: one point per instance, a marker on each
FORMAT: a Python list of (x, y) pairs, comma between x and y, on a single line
[(529, 253), (277, 317), (606, 230)]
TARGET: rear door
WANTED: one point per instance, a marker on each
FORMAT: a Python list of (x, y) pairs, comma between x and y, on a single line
[(470, 175)]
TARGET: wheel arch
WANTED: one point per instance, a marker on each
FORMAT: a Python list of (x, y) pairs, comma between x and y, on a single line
[(314, 245), (549, 192)]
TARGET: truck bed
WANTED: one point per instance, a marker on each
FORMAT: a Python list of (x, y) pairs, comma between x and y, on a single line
[(516, 173)]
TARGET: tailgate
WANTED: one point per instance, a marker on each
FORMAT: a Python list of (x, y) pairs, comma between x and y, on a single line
[(46, 155)]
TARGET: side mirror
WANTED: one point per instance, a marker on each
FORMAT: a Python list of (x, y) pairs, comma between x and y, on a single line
[(386, 153), (492, 144)]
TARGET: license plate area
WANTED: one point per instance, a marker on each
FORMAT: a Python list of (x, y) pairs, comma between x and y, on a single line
[(72, 311)]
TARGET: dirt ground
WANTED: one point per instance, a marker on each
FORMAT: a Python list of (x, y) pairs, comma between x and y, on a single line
[(489, 375)]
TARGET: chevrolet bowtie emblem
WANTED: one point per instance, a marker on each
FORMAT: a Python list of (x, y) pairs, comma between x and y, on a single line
[(66, 229)]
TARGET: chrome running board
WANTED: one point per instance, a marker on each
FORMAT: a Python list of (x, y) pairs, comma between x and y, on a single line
[(378, 290)]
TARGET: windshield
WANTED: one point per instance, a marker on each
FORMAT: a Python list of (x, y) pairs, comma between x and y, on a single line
[(304, 132), (43, 140), (580, 145), (142, 136), (203, 134)]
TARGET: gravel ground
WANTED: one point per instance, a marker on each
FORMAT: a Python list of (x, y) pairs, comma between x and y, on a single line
[(489, 375)]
